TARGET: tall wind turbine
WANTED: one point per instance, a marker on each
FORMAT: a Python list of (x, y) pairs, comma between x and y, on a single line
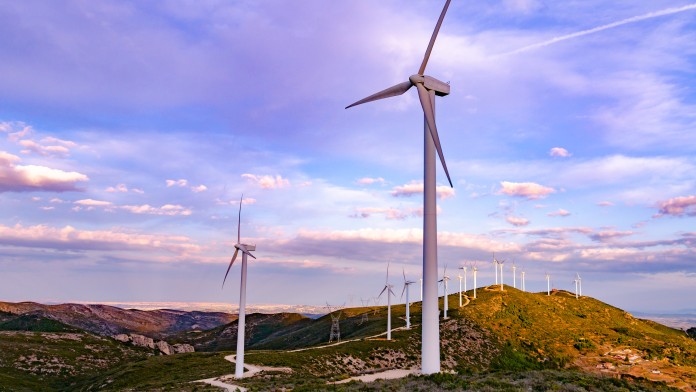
[(579, 282), (576, 287), (428, 87), (495, 267), (501, 273), (548, 284), (388, 289), (407, 283), (460, 285), (475, 271), (522, 273), (239, 366), (514, 274), (421, 288), (444, 281)]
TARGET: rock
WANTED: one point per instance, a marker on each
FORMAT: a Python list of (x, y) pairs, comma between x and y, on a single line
[(143, 341), (165, 348), (122, 337), (183, 348)]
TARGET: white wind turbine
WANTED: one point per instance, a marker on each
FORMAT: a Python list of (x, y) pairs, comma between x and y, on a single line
[(548, 284), (475, 268), (407, 283), (428, 87), (576, 287), (522, 273), (421, 289), (460, 285), (388, 289), (579, 283), (239, 365), (444, 281), (501, 273), (514, 274), (495, 267)]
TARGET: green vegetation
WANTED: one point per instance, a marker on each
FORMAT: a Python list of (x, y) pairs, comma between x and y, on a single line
[(32, 322)]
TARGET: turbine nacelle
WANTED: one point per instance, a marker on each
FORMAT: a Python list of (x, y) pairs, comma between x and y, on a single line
[(430, 83)]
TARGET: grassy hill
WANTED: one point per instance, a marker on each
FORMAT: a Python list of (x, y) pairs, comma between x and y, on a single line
[(507, 340)]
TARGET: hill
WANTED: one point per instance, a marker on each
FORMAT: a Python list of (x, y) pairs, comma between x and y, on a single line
[(109, 320)]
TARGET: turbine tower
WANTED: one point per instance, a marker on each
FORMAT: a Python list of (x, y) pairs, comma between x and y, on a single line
[(241, 321), (460, 285), (428, 87), (475, 271), (522, 273), (501, 273), (421, 289), (514, 275), (548, 284), (388, 289), (576, 287), (407, 283), (579, 283), (495, 267), (444, 281)]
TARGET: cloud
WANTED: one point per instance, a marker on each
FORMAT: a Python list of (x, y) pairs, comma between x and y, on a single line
[(70, 238), (268, 182), (605, 204), (415, 188), (678, 206), (93, 203), (609, 235), (560, 212), (122, 188), (517, 221), (391, 213), (528, 190), (199, 188), (559, 152), (180, 183), (370, 181), (15, 129), (29, 178), (167, 209)]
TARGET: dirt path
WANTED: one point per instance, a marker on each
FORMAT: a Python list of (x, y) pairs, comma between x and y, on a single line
[(348, 341), (251, 370), (385, 375)]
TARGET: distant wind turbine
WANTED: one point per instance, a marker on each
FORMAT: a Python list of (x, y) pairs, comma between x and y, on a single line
[(495, 267), (501, 274), (548, 284), (444, 281), (475, 271), (239, 366), (579, 283), (514, 274), (428, 87), (407, 284), (388, 289), (522, 273)]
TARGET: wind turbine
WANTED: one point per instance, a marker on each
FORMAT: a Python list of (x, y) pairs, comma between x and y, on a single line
[(495, 267), (460, 285), (522, 273), (548, 284), (388, 289), (421, 288), (407, 283), (246, 249), (576, 287), (428, 87), (514, 275), (475, 271), (501, 274), (444, 281), (579, 282)]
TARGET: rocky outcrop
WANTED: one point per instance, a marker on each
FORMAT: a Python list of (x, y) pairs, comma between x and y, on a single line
[(161, 345)]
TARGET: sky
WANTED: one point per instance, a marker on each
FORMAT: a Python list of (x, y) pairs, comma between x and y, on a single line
[(129, 131)]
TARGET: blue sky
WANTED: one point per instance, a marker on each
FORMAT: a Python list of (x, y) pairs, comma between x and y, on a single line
[(129, 130)]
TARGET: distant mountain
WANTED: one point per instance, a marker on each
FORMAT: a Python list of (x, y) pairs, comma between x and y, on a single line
[(109, 320)]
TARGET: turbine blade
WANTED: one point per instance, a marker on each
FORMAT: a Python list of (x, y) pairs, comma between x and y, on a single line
[(429, 113), (230, 266), (403, 291), (386, 281), (404, 272), (382, 292), (392, 91), (421, 70), (239, 219)]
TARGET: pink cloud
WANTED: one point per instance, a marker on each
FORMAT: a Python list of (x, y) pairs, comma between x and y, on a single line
[(370, 181), (605, 204), (559, 152), (529, 190), (415, 188), (610, 235), (19, 178), (517, 221), (167, 209), (560, 212), (678, 206), (268, 182)]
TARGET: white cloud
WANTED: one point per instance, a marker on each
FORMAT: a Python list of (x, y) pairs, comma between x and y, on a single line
[(559, 152), (415, 188), (122, 188), (528, 190), (167, 209), (605, 204), (180, 183), (93, 203), (370, 181), (199, 188), (15, 130), (19, 178), (560, 212), (268, 182)]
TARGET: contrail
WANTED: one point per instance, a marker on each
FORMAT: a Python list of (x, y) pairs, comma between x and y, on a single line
[(649, 15)]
